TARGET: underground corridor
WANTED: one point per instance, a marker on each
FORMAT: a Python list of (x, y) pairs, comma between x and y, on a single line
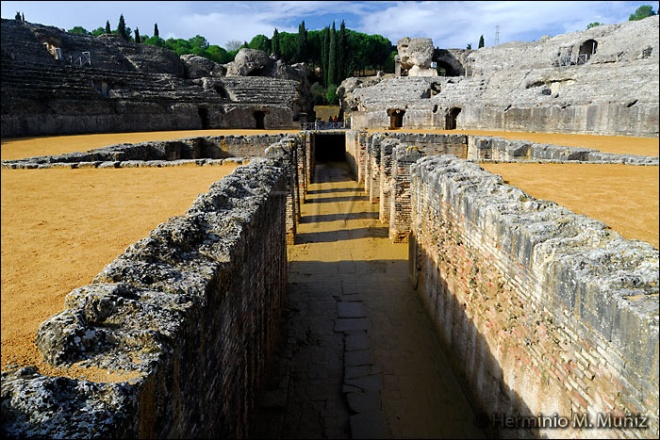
[(357, 355)]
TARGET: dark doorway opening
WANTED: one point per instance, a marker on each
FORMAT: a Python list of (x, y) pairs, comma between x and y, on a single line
[(450, 123), (204, 116), (259, 118), (396, 118), (329, 147), (587, 49)]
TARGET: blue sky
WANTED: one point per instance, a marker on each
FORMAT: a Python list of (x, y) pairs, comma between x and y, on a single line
[(451, 24)]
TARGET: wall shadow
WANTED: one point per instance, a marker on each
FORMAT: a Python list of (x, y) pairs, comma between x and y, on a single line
[(336, 217), (339, 199)]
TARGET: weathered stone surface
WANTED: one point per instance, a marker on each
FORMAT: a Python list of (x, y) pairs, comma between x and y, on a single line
[(182, 309), (551, 85), (538, 292), (106, 84), (415, 56)]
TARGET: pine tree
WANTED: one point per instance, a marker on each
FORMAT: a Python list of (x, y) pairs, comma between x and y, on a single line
[(108, 30), (156, 30), (481, 42)]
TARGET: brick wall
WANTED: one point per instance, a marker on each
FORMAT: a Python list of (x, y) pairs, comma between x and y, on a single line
[(541, 311)]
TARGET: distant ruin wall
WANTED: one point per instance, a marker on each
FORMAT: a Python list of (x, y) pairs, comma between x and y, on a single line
[(207, 147), (615, 119), (541, 311), (193, 309)]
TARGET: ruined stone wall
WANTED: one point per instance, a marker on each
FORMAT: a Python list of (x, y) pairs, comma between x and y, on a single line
[(370, 156), (506, 150), (600, 81), (190, 313), (195, 148), (541, 311), (126, 87)]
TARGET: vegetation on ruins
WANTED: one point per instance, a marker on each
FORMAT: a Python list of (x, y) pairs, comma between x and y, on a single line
[(642, 12), (481, 42), (332, 54)]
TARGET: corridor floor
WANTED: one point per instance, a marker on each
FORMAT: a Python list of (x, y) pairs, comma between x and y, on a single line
[(358, 357)]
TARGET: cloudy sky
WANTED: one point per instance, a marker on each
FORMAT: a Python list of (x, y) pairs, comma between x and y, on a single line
[(451, 24)]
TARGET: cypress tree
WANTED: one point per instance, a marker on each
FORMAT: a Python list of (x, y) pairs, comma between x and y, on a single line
[(156, 30), (137, 35), (302, 51), (275, 44), (325, 54), (481, 42), (121, 28), (108, 30), (332, 57), (342, 61)]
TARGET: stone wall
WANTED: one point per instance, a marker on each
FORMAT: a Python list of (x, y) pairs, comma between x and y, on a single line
[(128, 87), (542, 312), (195, 148), (506, 150), (190, 312), (550, 85)]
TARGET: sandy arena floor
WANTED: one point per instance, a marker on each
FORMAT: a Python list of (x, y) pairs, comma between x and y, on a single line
[(60, 227)]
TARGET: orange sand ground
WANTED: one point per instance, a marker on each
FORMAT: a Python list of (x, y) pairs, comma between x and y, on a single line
[(625, 197), (60, 227)]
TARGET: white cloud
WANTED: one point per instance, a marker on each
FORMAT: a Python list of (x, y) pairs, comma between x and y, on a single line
[(451, 24)]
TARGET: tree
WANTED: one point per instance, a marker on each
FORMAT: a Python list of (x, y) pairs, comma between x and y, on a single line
[(275, 44), (302, 54), (469, 46), (260, 42), (332, 57), (233, 45), (98, 31), (107, 27), (342, 56), (121, 28), (481, 42), (156, 34), (331, 95), (642, 12), (592, 25), (78, 30), (137, 35), (325, 50)]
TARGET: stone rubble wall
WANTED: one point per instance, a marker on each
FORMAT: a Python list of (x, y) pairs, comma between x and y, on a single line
[(372, 158), (540, 310), (499, 149), (191, 312), (195, 148)]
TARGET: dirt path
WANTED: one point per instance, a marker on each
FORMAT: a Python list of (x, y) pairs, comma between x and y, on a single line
[(360, 358)]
